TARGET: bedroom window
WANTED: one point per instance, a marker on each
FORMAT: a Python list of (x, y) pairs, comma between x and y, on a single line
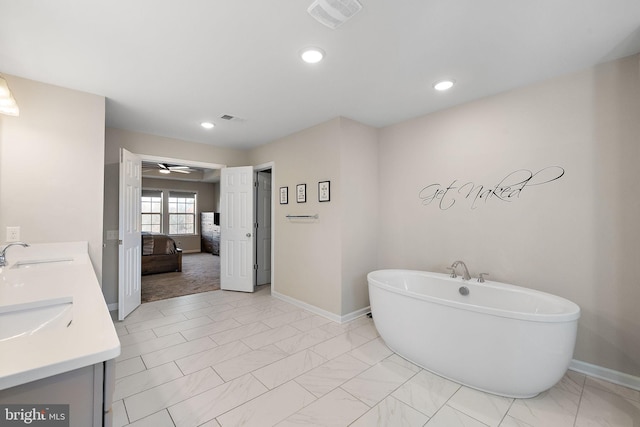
[(151, 210), (182, 213)]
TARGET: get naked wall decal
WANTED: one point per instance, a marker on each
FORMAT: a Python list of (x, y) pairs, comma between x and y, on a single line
[(508, 189)]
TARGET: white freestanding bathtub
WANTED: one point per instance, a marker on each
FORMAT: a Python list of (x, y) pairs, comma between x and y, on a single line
[(499, 338)]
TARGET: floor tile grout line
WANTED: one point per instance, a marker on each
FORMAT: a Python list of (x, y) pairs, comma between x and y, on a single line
[(171, 346), (448, 399), (356, 398), (147, 370), (182, 399), (129, 322), (612, 392), (513, 399), (188, 328), (219, 385), (575, 418), (390, 394), (185, 311), (226, 330), (150, 415), (506, 414), (170, 417), (175, 345), (126, 413), (469, 415)]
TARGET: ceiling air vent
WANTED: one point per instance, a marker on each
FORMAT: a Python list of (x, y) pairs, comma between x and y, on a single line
[(232, 119), (334, 13)]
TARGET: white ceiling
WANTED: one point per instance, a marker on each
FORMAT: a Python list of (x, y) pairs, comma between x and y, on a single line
[(167, 65)]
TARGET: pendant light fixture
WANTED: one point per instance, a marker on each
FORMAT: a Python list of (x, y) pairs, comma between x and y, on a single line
[(8, 103)]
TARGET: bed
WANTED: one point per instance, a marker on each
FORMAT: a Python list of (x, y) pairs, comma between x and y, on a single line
[(160, 254)]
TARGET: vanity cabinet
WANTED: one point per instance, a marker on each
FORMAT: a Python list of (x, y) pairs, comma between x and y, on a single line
[(210, 233), (55, 360), (88, 391)]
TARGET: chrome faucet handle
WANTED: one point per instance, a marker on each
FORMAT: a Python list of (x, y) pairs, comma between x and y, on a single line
[(3, 256), (481, 277), (453, 272)]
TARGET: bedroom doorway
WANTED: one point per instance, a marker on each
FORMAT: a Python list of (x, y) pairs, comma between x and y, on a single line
[(265, 257)]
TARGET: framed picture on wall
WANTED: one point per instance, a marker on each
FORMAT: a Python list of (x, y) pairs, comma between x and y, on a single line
[(284, 195), (301, 193), (324, 192)]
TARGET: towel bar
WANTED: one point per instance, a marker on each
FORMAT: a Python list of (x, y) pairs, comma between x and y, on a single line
[(303, 216)]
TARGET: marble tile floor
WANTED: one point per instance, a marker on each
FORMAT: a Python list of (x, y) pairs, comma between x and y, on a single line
[(233, 359)]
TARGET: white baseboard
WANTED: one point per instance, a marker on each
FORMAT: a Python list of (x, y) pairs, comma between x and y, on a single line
[(113, 306), (606, 374), (355, 314), (320, 312)]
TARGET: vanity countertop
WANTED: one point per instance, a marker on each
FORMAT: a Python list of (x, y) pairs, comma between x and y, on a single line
[(53, 272)]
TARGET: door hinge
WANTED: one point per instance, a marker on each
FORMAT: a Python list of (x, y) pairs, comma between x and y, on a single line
[(120, 242), (255, 266)]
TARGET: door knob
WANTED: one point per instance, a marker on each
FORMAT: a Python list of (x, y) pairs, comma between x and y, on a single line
[(248, 234)]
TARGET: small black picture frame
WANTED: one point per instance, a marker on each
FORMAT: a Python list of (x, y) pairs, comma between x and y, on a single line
[(301, 193), (284, 195), (324, 191)]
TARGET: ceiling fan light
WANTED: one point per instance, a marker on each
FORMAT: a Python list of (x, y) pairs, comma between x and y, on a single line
[(165, 171), (207, 125)]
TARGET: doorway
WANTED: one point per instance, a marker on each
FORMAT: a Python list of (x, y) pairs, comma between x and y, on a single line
[(264, 255), (179, 205), (263, 227)]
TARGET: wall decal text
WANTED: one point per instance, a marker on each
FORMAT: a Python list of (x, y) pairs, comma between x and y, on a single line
[(507, 189)]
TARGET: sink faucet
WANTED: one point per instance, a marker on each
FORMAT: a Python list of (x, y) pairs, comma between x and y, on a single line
[(3, 258), (465, 273)]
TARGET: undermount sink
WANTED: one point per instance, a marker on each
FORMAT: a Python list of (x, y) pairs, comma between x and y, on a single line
[(34, 317), (41, 262)]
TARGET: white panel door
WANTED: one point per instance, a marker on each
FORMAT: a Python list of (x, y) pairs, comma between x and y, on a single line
[(263, 229), (237, 247), (129, 253)]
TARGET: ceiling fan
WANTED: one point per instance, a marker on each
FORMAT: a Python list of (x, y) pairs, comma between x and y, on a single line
[(166, 168)]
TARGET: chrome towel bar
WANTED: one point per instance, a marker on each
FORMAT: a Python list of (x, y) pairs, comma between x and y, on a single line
[(316, 216)]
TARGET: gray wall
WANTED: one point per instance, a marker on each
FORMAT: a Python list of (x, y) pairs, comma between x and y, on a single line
[(577, 237), (51, 166), (324, 262)]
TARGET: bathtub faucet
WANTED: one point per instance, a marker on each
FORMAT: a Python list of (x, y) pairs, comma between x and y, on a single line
[(465, 273)]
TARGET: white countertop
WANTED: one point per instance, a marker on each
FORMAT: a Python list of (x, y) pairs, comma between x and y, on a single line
[(90, 338)]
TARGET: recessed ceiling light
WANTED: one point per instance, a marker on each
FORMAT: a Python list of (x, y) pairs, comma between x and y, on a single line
[(443, 85), (207, 125), (312, 55)]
